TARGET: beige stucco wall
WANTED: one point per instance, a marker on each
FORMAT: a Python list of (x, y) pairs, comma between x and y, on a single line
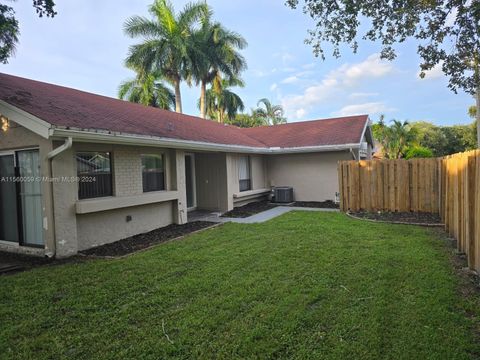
[(258, 173), (313, 176), (216, 177), (108, 226), (64, 198), (18, 138), (65, 231)]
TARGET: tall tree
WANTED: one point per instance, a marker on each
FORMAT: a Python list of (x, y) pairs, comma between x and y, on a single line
[(214, 55), (9, 27), (246, 120), (445, 140), (396, 139), (166, 41), (147, 89), (222, 103), (272, 114), (447, 31)]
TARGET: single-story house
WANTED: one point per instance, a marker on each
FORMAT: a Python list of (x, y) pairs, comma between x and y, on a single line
[(78, 170)]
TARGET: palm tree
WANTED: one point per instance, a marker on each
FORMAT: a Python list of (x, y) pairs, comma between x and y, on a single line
[(166, 41), (244, 120), (214, 56), (396, 139), (472, 111), (147, 89), (273, 114), (222, 103)]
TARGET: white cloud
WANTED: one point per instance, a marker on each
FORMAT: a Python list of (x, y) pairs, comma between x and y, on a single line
[(290, 80), (288, 69), (300, 113), (286, 57), (336, 83), (366, 108), (273, 87), (434, 73), (309, 66), (357, 95)]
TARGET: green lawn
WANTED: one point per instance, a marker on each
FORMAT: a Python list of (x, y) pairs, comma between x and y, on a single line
[(305, 285)]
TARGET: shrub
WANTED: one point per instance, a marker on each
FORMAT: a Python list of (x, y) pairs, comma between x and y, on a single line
[(418, 152)]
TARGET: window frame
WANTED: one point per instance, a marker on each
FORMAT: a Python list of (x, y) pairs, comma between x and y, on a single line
[(110, 193), (163, 172), (248, 180)]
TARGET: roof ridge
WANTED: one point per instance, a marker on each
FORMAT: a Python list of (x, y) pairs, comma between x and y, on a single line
[(308, 121)]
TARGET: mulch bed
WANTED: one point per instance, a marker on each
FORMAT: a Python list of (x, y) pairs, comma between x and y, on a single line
[(264, 205), (249, 209), (146, 240), (401, 217), (11, 263), (329, 204)]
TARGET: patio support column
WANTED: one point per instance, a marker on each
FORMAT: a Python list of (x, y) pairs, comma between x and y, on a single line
[(64, 198), (178, 183), (231, 179)]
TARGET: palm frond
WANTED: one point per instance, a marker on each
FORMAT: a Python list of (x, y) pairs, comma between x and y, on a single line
[(136, 26)]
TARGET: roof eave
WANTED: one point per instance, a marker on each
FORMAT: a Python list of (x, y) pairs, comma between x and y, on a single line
[(367, 131), (131, 139), (25, 119)]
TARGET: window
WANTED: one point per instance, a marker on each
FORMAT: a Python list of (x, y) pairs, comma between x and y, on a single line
[(244, 173), (95, 174), (153, 173)]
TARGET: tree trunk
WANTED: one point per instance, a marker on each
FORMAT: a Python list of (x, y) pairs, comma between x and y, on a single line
[(203, 99), (178, 96), (220, 116), (477, 115)]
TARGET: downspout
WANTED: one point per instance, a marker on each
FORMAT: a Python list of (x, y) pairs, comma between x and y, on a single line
[(55, 152), (67, 145), (353, 154)]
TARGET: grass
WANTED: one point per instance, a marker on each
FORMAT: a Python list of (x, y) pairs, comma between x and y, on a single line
[(305, 285)]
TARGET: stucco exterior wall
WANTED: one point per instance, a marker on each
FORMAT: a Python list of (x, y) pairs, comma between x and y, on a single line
[(258, 177), (18, 138), (257, 171), (313, 176), (64, 198), (108, 226), (211, 181), (76, 232)]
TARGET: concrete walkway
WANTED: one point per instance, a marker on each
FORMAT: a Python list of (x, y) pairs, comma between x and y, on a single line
[(257, 218)]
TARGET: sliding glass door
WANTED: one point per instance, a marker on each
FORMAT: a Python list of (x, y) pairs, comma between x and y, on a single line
[(8, 199), (30, 196), (21, 198)]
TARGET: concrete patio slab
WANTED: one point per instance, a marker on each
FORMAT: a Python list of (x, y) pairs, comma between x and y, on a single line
[(257, 218)]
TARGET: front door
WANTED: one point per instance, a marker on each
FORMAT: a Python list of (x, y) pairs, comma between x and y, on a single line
[(21, 198), (190, 181)]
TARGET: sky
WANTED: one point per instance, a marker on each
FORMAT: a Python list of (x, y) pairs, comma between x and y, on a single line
[(84, 47)]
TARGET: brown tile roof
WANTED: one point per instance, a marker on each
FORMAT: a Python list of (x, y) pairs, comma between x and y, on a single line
[(335, 131), (73, 109)]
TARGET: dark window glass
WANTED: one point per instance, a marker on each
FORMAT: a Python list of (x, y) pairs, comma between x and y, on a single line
[(153, 174), (95, 174), (244, 173)]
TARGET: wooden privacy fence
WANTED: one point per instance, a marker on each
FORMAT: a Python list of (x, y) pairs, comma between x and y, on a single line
[(390, 185), (449, 186), (460, 175)]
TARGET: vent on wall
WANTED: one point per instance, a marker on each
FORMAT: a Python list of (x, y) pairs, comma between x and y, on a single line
[(283, 194)]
